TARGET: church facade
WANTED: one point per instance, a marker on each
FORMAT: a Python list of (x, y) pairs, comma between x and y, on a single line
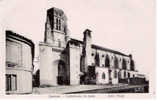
[(68, 61)]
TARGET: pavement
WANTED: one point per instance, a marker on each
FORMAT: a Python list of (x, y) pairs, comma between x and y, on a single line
[(73, 88)]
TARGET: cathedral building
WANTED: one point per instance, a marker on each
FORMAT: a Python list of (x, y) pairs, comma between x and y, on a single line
[(68, 61)]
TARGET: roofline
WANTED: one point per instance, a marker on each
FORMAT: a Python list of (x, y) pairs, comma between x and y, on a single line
[(109, 50), (102, 48)]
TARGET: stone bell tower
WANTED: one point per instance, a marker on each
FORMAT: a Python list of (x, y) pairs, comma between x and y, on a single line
[(56, 31), (53, 62)]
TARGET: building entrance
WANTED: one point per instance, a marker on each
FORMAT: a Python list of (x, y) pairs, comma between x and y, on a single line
[(62, 76)]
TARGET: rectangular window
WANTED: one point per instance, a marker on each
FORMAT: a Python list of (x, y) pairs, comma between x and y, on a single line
[(11, 82), (13, 53), (59, 24)]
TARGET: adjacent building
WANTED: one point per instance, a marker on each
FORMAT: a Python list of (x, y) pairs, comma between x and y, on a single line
[(19, 63), (68, 61)]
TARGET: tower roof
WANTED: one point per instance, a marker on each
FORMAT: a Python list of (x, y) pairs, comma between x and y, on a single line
[(56, 11)]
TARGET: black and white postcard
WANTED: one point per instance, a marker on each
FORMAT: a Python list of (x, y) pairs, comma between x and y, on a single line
[(77, 48)]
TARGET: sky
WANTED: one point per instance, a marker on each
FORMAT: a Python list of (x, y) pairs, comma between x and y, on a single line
[(127, 26)]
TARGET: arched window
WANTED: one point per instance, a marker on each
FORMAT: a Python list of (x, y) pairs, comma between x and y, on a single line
[(82, 68), (124, 74), (97, 59), (124, 64), (115, 74), (128, 75), (116, 62), (107, 61), (57, 23), (119, 74), (103, 75), (132, 65)]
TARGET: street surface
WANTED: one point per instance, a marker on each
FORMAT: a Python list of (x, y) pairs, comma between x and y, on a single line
[(83, 89)]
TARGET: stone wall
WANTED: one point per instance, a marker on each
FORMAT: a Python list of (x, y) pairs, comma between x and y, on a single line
[(49, 60), (74, 59)]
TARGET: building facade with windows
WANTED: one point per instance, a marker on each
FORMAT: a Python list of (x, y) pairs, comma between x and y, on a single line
[(68, 61), (19, 63)]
